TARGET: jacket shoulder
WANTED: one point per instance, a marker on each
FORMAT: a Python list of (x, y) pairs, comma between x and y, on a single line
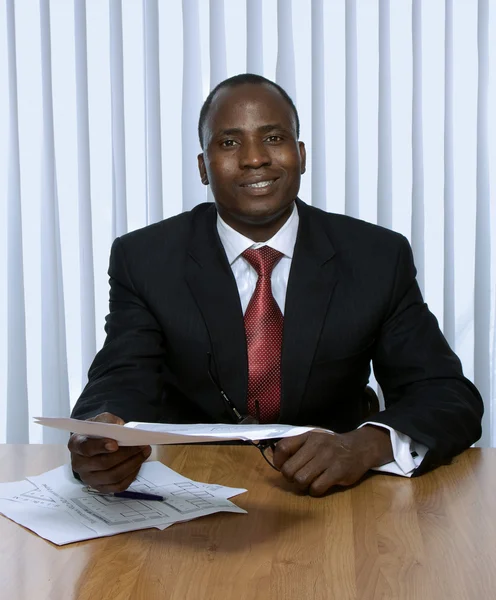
[(347, 231), (171, 232)]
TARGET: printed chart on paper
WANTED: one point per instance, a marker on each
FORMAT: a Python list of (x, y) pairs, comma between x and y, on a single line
[(183, 497)]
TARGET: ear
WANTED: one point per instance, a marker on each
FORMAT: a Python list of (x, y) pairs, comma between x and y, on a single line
[(303, 157), (202, 169)]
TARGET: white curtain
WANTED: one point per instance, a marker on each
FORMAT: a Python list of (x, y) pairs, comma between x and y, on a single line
[(99, 101)]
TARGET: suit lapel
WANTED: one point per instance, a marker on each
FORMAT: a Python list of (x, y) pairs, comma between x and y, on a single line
[(311, 283), (211, 281)]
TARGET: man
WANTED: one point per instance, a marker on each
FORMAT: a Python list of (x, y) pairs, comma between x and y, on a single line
[(286, 329)]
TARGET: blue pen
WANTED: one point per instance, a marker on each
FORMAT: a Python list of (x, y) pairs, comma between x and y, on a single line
[(138, 496)]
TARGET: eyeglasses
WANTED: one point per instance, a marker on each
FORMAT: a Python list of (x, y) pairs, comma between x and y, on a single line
[(266, 447)]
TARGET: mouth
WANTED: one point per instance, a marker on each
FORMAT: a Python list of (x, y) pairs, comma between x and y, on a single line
[(259, 186)]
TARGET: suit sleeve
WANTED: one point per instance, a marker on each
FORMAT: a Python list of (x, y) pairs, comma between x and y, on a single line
[(126, 376), (426, 395)]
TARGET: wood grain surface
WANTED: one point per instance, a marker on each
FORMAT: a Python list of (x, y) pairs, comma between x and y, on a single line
[(430, 538)]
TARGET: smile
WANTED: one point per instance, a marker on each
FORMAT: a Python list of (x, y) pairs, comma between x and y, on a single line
[(260, 184)]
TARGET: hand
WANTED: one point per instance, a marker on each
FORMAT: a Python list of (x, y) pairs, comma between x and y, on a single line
[(317, 461), (102, 463)]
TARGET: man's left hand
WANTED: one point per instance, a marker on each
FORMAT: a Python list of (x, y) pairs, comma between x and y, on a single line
[(317, 461)]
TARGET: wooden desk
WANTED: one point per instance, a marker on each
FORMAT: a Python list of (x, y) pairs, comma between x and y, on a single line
[(388, 538)]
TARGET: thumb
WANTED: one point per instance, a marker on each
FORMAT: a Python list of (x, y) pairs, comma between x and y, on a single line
[(286, 447), (107, 417)]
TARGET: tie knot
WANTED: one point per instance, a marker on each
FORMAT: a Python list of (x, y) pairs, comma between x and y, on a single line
[(263, 259)]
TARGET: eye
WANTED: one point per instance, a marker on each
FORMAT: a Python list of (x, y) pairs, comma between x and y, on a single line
[(228, 143), (274, 139)]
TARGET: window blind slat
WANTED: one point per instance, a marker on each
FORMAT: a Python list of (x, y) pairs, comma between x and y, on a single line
[(319, 167), (417, 145), (55, 384), (119, 203), (482, 289), (449, 201), (86, 273), (193, 190), (352, 207), (254, 37), (385, 168), (154, 201), (17, 386), (285, 66)]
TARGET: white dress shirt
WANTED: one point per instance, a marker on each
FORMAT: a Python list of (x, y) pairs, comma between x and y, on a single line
[(407, 454)]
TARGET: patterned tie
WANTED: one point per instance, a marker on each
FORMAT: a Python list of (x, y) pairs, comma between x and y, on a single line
[(263, 326)]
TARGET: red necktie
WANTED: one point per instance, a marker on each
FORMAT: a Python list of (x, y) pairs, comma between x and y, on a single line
[(263, 326)]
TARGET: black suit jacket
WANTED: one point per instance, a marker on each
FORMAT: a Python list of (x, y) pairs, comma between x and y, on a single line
[(352, 298)]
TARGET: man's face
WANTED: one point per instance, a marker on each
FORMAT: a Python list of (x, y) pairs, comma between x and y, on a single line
[(252, 158)]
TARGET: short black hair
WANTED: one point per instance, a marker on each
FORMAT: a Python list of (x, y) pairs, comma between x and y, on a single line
[(239, 80)]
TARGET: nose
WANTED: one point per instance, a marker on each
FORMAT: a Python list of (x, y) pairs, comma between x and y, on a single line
[(254, 155)]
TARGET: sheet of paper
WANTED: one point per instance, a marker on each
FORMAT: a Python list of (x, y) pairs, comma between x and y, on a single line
[(60, 509), (138, 434)]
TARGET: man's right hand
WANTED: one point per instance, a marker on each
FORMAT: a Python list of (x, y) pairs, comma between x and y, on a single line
[(102, 463)]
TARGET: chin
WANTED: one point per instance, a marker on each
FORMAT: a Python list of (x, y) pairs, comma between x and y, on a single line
[(264, 208), (263, 216)]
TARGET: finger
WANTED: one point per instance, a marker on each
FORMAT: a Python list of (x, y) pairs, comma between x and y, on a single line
[(119, 486), (109, 461), (286, 447), (305, 476), (104, 462), (90, 446), (112, 480), (147, 450), (107, 444), (87, 446), (107, 417), (296, 462), (117, 474), (338, 474), (323, 483)]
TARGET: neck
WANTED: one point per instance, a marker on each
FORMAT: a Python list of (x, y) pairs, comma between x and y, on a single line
[(258, 232)]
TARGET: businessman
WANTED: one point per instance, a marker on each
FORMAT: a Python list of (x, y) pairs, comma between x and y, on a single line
[(260, 305)]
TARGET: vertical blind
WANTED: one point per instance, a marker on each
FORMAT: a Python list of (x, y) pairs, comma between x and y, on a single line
[(98, 136)]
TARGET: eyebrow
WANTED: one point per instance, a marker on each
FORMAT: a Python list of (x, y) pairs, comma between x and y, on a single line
[(262, 129)]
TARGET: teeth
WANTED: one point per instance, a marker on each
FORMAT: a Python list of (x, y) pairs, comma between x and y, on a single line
[(261, 184)]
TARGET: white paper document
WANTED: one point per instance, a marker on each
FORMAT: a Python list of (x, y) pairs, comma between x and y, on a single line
[(59, 508), (139, 434)]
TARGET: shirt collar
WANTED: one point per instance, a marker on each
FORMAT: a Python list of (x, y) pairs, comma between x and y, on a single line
[(235, 243)]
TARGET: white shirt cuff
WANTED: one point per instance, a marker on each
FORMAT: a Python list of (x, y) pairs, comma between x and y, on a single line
[(408, 454)]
